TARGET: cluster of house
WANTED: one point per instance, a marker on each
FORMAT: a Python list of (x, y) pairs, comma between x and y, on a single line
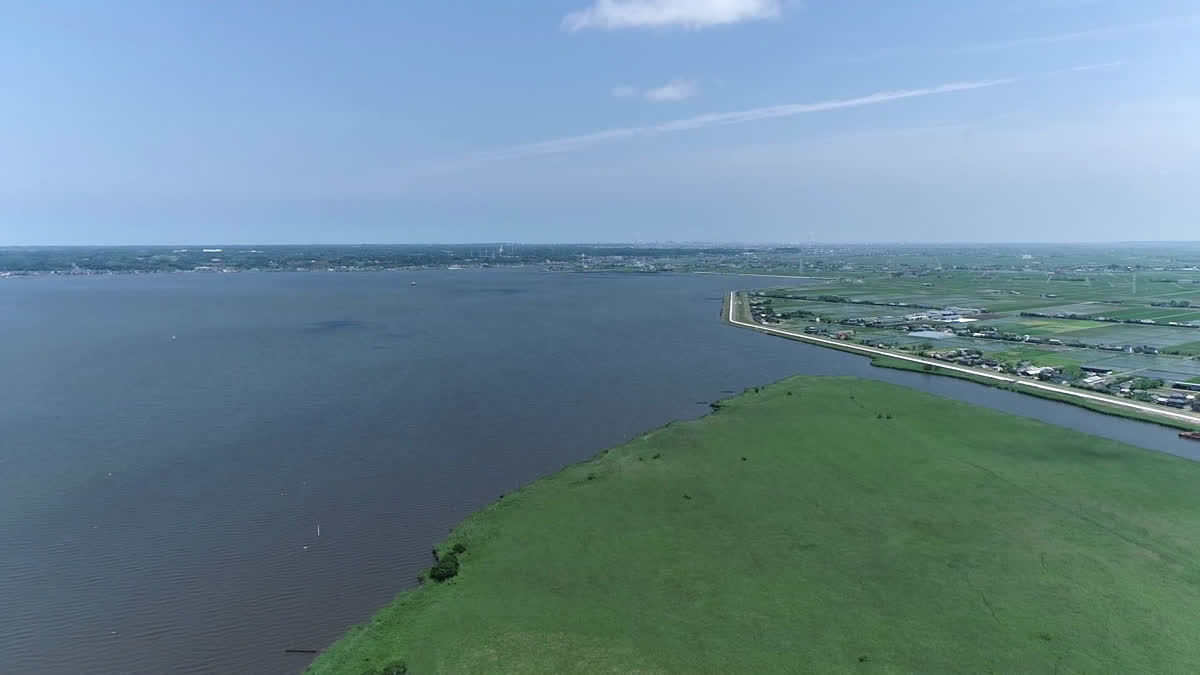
[(976, 358), (947, 315), (1175, 400), (1095, 377), (1100, 379), (966, 357), (1177, 396), (762, 312), (877, 321), (910, 321), (837, 334)]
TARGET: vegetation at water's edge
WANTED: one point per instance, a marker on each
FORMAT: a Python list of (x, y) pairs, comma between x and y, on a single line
[(828, 524), (1096, 406)]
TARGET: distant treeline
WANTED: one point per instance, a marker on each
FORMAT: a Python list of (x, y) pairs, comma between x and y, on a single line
[(1106, 319), (130, 259), (847, 301)]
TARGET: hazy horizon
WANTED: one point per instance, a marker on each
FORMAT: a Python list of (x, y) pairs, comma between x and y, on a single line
[(1048, 121), (614, 243)]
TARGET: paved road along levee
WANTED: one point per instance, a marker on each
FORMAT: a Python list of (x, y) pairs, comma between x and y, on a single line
[(1151, 409)]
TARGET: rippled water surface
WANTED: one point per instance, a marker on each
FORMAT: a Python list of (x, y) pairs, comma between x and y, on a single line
[(169, 444)]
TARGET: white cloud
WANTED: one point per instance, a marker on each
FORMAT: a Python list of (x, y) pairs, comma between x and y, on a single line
[(610, 14), (675, 90), (572, 143), (623, 91)]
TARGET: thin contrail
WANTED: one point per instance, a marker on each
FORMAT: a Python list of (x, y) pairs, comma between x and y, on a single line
[(1089, 34), (1095, 66), (1101, 32), (571, 143)]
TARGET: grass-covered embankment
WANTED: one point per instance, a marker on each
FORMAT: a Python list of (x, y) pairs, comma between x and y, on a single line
[(821, 525)]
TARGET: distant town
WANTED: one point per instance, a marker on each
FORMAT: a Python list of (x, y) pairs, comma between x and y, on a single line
[(830, 262), (226, 259)]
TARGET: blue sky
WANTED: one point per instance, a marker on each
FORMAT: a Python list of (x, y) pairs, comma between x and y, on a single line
[(162, 121)]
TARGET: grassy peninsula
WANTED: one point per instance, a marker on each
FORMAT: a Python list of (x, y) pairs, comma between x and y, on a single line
[(820, 525)]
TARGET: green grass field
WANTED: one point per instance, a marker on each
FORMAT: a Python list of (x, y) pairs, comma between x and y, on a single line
[(1051, 327), (1188, 347), (846, 526)]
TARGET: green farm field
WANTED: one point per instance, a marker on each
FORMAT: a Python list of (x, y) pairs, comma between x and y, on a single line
[(1044, 357), (1189, 347), (1014, 291), (820, 525)]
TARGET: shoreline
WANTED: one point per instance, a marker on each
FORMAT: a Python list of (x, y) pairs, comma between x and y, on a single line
[(461, 532), (470, 623), (1089, 400)]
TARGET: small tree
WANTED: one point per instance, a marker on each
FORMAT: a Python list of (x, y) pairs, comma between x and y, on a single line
[(446, 568), (1146, 383)]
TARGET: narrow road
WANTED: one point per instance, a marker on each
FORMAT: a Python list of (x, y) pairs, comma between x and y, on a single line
[(987, 374)]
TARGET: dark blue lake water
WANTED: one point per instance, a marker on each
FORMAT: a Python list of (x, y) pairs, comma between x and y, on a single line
[(169, 444)]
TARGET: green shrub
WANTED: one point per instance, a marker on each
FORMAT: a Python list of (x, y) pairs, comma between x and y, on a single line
[(446, 568), (459, 548)]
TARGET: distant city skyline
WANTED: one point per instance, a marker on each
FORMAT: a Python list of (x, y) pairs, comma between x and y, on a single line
[(583, 121)]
